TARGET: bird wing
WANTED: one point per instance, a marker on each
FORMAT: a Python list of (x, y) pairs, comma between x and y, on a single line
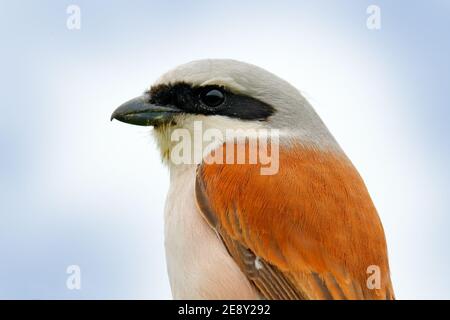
[(308, 232)]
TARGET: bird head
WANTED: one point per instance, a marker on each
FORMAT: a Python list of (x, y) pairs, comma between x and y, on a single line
[(224, 94)]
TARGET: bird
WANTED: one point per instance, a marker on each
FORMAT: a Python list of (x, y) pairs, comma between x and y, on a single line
[(309, 231)]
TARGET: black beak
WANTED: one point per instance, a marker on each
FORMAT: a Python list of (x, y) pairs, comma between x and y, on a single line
[(140, 111)]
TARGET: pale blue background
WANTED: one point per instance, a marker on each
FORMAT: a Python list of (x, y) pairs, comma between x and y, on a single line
[(78, 189)]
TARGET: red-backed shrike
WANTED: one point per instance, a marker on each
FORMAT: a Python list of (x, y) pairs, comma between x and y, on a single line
[(309, 230)]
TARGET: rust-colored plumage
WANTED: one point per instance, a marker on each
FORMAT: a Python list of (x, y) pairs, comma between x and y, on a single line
[(308, 232)]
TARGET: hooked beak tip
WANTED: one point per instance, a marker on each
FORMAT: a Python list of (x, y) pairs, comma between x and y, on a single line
[(140, 111)]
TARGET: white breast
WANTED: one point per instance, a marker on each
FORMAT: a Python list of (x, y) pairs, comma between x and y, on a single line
[(198, 263)]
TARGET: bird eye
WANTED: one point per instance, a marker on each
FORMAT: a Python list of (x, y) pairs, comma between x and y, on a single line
[(212, 97)]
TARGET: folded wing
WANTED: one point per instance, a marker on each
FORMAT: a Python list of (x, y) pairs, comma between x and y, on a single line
[(308, 232)]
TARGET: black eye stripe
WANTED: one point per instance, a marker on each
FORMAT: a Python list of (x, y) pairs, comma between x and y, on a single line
[(210, 100)]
